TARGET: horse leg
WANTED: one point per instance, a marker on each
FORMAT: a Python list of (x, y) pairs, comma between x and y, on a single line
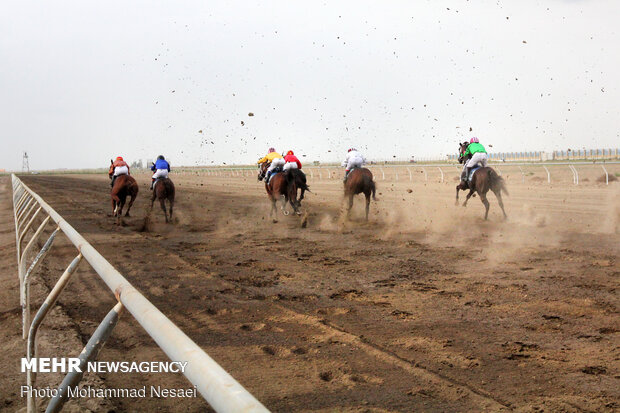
[(350, 205), (162, 202), (471, 192), (120, 207), (367, 194), (498, 195), (485, 201), (115, 202), (458, 188), (133, 198), (293, 200), (283, 207), (171, 205)]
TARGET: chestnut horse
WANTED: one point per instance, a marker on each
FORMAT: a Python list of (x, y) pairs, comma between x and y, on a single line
[(284, 185), (482, 180), (359, 181), (162, 190), (124, 186)]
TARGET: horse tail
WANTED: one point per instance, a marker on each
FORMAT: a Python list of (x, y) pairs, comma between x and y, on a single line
[(497, 183), (371, 185), (301, 182)]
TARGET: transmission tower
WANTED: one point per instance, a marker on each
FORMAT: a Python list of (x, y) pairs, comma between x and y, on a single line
[(25, 166)]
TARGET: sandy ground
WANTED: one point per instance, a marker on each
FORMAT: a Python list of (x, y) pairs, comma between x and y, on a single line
[(426, 307)]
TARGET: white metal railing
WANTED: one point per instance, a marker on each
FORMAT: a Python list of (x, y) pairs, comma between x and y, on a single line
[(218, 387), (316, 172)]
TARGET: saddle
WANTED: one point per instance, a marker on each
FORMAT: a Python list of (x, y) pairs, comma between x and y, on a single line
[(276, 170), (472, 171)]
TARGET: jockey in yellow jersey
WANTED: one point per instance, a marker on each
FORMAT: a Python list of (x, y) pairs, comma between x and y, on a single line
[(276, 160)]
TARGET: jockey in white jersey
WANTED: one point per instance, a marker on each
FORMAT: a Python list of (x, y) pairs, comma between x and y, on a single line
[(354, 159)]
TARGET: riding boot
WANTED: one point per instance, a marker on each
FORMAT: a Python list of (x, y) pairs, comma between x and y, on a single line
[(346, 174), (467, 175), (113, 179), (152, 183)]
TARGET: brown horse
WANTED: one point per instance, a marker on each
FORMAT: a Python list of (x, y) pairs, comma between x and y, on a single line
[(162, 190), (359, 181), (124, 186), (482, 180), (284, 186)]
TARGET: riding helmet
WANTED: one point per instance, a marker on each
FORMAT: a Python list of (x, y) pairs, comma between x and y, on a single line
[(271, 150), (161, 157), (119, 158), (290, 153)]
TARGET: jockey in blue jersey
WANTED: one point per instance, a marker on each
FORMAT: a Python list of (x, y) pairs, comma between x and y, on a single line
[(161, 167)]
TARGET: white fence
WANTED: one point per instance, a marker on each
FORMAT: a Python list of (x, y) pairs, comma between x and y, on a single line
[(218, 387), (407, 172)]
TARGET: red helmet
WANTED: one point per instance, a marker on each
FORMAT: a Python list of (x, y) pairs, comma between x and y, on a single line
[(290, 153), (474, 140), (271, 150), (352, 149), (119, 158)]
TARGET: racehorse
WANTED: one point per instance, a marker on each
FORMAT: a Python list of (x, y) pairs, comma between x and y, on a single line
[(284, 185), (124, 186), (483, 179), (359, 181), (162, 190)]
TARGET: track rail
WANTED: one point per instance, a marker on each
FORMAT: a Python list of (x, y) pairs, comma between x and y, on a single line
[(218, 387)]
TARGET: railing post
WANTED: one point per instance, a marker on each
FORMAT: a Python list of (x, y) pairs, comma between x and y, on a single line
[(23, 232), (606, 175), (410, 176), (25, 207), (90, 352), (522, 174), (548, 174), (441, 173), (27, 214), (26, 284), (382, 173), (425, 174), (32, 348)]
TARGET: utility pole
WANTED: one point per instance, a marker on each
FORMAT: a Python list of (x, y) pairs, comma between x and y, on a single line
[(25, 166)]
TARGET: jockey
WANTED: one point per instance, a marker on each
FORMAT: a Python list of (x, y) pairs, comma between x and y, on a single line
[(291, 161), (276, 161), (478, 156), (354, 159), (118, 167), (161, 167)]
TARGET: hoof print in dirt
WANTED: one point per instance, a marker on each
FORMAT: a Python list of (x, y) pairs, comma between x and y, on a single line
[(595, 370)]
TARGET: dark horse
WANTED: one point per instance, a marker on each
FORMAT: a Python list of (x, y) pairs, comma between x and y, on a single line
[(162, 190), (483, 179), (359, 180), (124, 186), (284, 185)]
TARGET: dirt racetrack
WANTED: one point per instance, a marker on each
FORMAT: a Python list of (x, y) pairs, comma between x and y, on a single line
[(424, 308)]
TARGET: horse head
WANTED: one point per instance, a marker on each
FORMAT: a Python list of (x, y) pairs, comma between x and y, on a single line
[(462, 148), (262, 170)]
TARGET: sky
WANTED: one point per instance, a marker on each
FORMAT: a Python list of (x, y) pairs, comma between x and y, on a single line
[(82, 82)]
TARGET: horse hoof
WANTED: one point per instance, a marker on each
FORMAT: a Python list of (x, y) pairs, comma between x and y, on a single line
[(297, 212), (285, 212)]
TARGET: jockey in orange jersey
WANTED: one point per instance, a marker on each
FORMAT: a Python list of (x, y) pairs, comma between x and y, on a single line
[(118, 167)]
